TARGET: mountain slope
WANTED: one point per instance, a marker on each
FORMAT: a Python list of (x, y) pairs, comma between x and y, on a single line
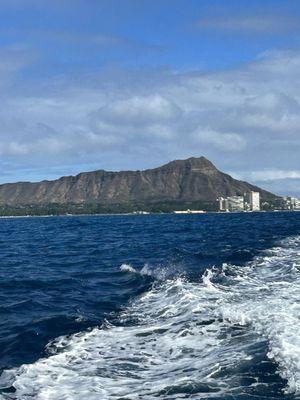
[(194, 179)]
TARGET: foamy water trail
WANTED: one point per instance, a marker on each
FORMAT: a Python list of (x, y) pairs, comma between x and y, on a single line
[(270, 290), (181, 339)]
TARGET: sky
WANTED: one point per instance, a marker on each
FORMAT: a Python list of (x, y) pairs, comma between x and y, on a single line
[(133, 84)]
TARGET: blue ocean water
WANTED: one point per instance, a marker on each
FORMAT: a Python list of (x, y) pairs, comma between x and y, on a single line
[(150, 306)]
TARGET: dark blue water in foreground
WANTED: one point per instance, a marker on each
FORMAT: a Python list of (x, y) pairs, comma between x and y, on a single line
[(188, 303)]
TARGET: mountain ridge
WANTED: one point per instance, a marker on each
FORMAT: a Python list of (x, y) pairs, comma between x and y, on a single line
[(189, 180)]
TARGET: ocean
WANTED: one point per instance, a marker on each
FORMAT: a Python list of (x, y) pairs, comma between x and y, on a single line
[(150, 307)]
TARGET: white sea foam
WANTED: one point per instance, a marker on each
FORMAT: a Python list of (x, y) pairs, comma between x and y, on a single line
[(180, 337), (128, 268), (146, 270), (270, 291), (159, 273)]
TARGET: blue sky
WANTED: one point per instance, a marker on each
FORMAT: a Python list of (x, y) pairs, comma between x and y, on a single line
[(132, 84)]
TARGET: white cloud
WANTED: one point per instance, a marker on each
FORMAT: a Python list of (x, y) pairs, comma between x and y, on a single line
[(223, 141), (274, 174), (139, 110)]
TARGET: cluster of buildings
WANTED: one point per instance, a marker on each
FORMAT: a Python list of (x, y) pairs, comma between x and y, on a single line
[(290, 203), (248, 202)]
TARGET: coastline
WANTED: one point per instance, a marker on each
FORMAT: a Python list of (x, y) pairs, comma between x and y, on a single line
[(147, 214)]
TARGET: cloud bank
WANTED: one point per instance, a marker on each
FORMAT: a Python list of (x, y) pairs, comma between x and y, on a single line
[(246, 120)]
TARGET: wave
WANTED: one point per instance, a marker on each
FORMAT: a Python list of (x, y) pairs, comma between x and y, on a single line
[(183, 338), (159, 273), (128, 268)]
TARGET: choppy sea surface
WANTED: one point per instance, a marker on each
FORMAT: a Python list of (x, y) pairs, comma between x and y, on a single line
[(150, 307)]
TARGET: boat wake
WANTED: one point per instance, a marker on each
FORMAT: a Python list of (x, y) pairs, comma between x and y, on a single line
[(217, 337)]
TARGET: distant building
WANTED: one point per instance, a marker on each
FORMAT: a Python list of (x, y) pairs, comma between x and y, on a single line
[(249, 202), (223, 204), (231, 203), (252, 201), (235, 203), (290, 203)]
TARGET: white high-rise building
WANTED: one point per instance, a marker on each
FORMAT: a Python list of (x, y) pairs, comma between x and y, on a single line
[(235, 203), (223, 204), (249, 202), (254, 201)]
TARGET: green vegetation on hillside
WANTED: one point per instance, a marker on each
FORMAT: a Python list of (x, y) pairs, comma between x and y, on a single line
[(96, 208)]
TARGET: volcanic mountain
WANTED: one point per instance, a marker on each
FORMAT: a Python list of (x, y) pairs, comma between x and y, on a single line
[(190, 180)]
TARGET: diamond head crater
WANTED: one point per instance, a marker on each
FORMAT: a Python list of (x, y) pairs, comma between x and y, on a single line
[(193, 183)]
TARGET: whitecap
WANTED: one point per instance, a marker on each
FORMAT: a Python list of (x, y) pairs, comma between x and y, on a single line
[(128, 268)]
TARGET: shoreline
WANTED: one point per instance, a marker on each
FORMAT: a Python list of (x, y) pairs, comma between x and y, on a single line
[(148, 214)]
